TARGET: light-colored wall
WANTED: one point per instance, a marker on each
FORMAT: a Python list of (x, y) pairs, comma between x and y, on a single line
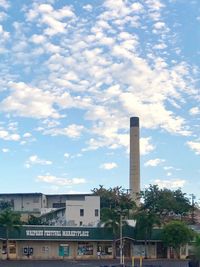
[(37, 203), (88, 205), (50, 250), (26, 202)]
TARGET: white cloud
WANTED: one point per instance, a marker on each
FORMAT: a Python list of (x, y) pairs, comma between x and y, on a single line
[(194, 146), (88, 7), (173, 183), (108, 165), (194, 111), (4, 134), (72, 131), (160, 46), (154, 162), (27, 135), (4, 4), (3, 34), (51, 19), (5, 150), (66, 155), (60, 181), (145, 146), (159, 25), (28, 101), (137, 7), (34, 160)]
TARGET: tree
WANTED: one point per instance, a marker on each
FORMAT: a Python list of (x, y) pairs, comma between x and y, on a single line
[(175, 234), (196, 249), (6, 205), (10, 220), (33, 220), (145, 221), (114, 198), (167, 204), (116, 206)]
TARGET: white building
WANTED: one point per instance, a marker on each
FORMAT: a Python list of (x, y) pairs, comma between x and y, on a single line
[(63, 209)]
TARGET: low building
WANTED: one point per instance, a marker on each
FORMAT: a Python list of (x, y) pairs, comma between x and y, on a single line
[(61, 209), (26, 203), (80, 243)]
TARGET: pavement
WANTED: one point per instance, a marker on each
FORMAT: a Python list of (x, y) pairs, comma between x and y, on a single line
[(92, 263)]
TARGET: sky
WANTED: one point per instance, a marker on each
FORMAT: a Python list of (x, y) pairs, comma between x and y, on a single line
[(73, 72)]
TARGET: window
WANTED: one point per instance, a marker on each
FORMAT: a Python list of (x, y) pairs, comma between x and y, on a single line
[(96, 212), (81, 223), (12, 247), (85, 248), (45, 249), (81, 212), (59, 205), (105, 248)]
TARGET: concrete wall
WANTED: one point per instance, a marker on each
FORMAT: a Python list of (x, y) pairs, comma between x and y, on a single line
[(89, 204), (25, 202)]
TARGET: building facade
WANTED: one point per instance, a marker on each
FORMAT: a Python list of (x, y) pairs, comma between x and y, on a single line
[(63, 209), (80, 243)]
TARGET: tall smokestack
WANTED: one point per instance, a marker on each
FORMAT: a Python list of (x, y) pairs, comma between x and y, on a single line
[(134, 179)]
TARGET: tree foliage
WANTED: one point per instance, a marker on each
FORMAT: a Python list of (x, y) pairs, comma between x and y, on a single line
[(33, 220), (114, 202), (165, 202), (5, 205), (114, 198), (9, 220), (145, 221), (175, 234)]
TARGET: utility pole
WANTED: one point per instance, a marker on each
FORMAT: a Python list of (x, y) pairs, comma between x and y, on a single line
[(193, 208), (121, 242)]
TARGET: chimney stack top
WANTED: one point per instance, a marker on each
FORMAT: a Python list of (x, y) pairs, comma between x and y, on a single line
[(134, 122)]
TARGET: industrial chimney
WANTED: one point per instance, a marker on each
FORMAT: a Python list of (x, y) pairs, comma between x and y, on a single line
[(134, 179)]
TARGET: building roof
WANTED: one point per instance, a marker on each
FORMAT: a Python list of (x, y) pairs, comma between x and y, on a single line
[(9, 194)]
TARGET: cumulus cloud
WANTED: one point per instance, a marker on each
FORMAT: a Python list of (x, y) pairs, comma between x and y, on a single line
[(34, 160), (88, 7), (66, 155), (51, 179), (27, 135), (195, 146), (108, 165), (5, 150), (9, 136), (28, 101), (71, 131), (171, 184), (4, 4), (50, 18), (146, 146), (154, 162), (194, 111)]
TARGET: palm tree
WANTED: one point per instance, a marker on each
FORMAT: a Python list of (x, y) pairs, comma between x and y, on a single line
[(145, 221), (10, 220)]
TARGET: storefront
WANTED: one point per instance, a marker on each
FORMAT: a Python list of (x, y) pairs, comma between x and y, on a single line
[(46, 242)]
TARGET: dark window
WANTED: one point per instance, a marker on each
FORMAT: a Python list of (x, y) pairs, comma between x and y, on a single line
[(96, 212), (81, 212), (59, 205), (81, 223)]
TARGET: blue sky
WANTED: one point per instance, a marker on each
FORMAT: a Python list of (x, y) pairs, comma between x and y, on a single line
[(73, 73)]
